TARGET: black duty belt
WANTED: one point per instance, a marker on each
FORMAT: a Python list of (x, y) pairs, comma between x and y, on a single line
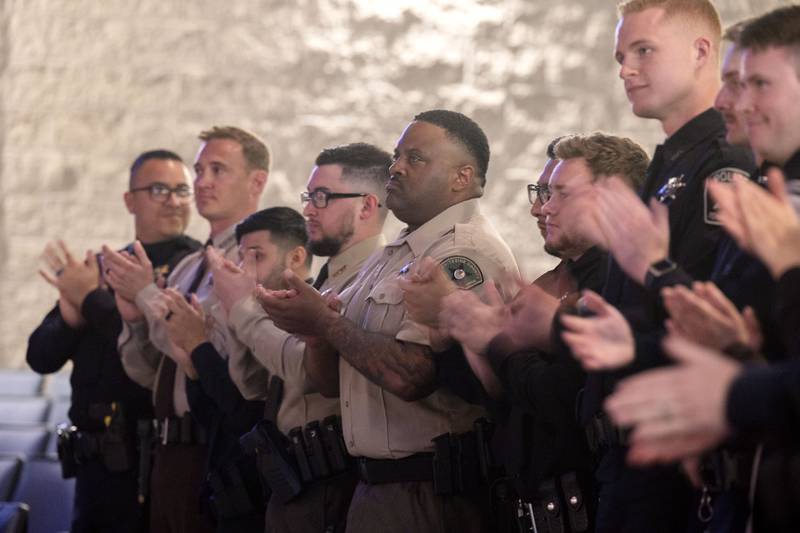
[(417, 467), (181, 430)]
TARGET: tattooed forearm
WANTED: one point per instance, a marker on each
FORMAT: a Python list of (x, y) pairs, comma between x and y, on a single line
[(404, 369)]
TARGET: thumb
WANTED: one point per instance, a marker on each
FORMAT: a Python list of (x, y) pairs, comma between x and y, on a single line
[(213, 257), (296, 283), (493, 296), (776, 183), (593, 302), (196, 305), (141, 255), (91, 262), (685, 351)]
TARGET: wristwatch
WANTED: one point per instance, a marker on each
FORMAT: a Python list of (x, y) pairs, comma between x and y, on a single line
[(657, 270)]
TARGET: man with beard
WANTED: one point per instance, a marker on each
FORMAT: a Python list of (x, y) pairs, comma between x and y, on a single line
[(345, 213), (417, 458), (84, 327)]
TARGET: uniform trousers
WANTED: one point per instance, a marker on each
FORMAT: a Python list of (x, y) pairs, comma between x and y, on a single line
[(322, 506), (410, 506), (642, 500), (175, 487), (106, 502)]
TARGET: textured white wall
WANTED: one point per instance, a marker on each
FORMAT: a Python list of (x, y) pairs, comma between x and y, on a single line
[(87, 84)]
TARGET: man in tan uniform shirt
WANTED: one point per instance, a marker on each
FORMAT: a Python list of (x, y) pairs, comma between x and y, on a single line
[(344, 218), (391, 408), (231, 169)]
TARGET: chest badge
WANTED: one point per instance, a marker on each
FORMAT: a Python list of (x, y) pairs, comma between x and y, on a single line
[(669, 191), (462, 271)]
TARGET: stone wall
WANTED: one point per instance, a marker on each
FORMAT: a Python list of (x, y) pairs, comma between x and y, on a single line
[(87, 84)]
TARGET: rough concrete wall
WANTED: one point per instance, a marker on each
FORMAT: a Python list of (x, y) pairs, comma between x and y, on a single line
[(86, 85)]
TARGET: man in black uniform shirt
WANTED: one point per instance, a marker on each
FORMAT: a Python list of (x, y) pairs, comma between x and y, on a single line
[(668, 56), (541, 446), (760, 400), (84, 326)]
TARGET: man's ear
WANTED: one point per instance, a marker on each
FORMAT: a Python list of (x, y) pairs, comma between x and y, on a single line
[(464, 178), (296, 258), (702, 50), (258, 180), (369, 205), (127, 197)]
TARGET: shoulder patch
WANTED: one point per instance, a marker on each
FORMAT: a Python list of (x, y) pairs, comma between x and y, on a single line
[(462, 271), (723, 175)]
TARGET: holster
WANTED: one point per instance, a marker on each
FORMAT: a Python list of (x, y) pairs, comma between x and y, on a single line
[(559, 507), (276, 466), (66, 450)]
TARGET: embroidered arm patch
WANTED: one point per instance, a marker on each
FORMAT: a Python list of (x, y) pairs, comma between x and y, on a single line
[(723, 175), (462, 271)]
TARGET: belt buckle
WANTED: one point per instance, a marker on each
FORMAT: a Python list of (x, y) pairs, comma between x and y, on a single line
[(164, 431)]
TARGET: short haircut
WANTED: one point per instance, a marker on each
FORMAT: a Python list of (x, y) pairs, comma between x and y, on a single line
[(777, 28), (465, 132), (733, 33), (606, 156), (144, 157), (255, 151), (693, 10), (287, 227), (360, 162), (551, 148)]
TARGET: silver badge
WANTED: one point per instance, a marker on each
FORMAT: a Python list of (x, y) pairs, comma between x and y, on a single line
[(669, 191)]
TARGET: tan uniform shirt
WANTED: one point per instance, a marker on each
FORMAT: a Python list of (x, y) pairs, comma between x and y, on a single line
[(142, 345), (272, 351), (377, 423)]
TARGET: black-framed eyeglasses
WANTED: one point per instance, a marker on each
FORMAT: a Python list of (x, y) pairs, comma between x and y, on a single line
[(160, 192), (319, 198), (538, 192)]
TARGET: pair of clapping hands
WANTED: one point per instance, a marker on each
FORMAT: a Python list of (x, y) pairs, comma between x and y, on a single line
[(679, 411)]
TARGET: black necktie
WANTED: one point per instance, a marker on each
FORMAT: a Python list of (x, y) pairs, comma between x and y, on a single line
[(321, 277)]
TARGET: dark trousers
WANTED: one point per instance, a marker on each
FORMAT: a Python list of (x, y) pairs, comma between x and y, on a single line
[(411, 506), (322, 506), (642, 500), (106, 502), (175, 485)]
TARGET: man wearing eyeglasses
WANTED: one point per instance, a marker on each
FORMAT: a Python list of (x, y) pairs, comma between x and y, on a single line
[(231, 170), (343, 206), (83, 328)]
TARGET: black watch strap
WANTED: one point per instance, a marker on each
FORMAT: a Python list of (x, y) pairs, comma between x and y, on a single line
[(657, 270)]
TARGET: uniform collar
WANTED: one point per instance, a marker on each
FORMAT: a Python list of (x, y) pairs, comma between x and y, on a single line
[(421, 238), (225, 239), (354, 254), (707, 124)]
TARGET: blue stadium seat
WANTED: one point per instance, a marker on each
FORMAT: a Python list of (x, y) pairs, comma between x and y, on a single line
[(14, 517), (59, 412), (20, 410), (10, 465), (48, 495), (58, 385), (27, 440), (20, 382)]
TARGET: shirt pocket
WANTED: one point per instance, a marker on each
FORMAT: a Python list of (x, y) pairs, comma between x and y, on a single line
[(385, 310)]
